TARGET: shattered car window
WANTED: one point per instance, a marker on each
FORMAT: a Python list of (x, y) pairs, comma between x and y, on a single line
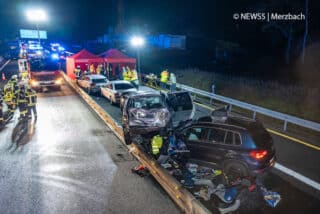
[(148, 102)]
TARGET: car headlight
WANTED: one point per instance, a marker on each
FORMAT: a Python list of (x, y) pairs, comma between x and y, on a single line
[(34, 83), (58, 81)]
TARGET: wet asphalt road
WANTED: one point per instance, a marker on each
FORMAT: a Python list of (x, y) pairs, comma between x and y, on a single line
[(70, 162)]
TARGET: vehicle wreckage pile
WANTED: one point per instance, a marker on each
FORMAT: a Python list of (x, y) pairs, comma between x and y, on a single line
[(178, 149)]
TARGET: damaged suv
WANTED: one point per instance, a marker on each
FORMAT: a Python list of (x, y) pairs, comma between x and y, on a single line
[(151, 112), (240, 146)]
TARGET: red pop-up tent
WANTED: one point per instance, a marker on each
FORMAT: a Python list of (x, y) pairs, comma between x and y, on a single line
[(82, 58), (115, 60)]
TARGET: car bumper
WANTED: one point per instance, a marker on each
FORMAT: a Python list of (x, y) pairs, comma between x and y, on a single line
[(141, 130), (265, 167)]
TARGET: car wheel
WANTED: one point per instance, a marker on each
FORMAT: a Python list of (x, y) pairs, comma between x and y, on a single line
[(234, 170)]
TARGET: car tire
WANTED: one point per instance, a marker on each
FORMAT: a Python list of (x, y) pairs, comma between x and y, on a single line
[(234, 170)]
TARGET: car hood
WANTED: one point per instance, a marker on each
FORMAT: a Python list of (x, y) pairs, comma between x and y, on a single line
[(149, 117)]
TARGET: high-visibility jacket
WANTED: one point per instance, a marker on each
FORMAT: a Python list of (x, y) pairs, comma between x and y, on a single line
[(126, 76), (9, 97), (156, 144), (31, 96), (164, 76), (134, 75)]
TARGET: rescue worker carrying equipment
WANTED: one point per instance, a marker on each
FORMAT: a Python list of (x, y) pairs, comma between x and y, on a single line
[(134, 79), (31, 96), (22, 102), (77, 71), (156, 144), (164, 77)]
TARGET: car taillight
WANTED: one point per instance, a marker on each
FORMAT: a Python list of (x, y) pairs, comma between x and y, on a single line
[(258, 154)]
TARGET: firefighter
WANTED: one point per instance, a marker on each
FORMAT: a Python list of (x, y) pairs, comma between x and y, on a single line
[(9, 98), (164, 77), (31, 96), (22, 102), (134, 79), (77, 71)]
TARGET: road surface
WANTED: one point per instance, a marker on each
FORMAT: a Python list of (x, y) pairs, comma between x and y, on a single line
[(70, 162)]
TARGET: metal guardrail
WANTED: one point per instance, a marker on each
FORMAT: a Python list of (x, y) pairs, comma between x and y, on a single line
[(256, 109), (182, 197), (5, 64)]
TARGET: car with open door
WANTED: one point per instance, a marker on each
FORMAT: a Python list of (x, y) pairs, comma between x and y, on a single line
[(148, 113)]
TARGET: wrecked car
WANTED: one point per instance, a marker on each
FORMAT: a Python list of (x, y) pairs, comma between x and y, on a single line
[(152, 112), (240, 146)]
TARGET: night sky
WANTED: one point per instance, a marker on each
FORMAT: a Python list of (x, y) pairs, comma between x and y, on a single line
[(86, 19)]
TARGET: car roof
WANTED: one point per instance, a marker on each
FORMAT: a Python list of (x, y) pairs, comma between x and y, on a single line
[(96, 76), (231, 122), (120, 81), (144, 94)]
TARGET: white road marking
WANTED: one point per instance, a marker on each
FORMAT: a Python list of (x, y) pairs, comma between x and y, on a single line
[(298, 176)]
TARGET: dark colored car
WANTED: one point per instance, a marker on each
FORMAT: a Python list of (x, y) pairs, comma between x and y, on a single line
[(240, 146), (151, 112)]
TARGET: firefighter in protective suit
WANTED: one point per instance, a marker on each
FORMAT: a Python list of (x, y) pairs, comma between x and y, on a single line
[(9, 98), (22, 102), (31, 96), (77, 71)]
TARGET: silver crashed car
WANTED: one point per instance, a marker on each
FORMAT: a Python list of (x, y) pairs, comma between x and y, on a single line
[(145, 113)]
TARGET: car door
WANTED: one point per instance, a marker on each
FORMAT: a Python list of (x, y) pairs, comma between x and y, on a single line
[(223, 144), (194, 137), (181, 106), (106, 90)]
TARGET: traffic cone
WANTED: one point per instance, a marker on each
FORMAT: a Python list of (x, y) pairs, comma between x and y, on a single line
[(3, 77)]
